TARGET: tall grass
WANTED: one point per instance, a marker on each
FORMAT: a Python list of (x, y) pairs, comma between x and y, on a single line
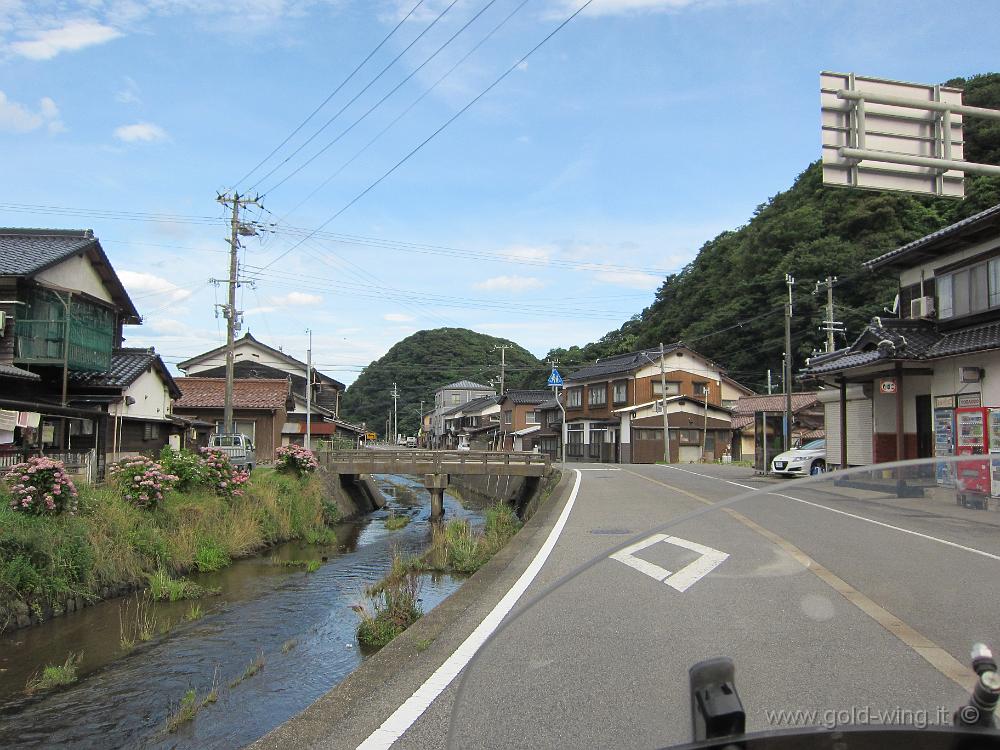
[(112, 545)]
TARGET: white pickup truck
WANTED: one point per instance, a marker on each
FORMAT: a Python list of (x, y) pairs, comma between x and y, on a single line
[(238, 447)]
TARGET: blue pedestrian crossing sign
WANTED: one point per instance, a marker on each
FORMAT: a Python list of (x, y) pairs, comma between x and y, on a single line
[(555, 379)]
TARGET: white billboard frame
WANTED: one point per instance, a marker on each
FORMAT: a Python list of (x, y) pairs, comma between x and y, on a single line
[(880, 134)]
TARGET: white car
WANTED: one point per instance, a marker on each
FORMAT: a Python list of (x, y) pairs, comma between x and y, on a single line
[(802, 461)]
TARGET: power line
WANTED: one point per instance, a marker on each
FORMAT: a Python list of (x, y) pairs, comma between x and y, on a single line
[(406, 111), (377, 104), (356, 96), (433, 135), (332, 94)]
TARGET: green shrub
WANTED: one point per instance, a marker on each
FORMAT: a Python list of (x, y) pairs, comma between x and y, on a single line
[(394, 607), (188, 467), (54, 675)]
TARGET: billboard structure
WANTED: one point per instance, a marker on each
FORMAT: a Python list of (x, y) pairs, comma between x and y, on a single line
[(890, 135)]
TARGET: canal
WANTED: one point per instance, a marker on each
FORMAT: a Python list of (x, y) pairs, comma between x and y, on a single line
[(300, 623)]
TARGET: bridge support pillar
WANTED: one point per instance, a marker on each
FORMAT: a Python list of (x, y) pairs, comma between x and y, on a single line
[(436, 484)]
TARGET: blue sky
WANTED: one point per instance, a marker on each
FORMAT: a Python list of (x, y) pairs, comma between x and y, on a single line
[(547, 213)]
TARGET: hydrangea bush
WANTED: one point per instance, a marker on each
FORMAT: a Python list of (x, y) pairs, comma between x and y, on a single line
[(296, 459), (188, 467), (221, 475), (142, 481), (42, 487)]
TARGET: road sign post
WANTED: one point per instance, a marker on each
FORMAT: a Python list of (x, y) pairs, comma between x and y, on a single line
[(555, 381)]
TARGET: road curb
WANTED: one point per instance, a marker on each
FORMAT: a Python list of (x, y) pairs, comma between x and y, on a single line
[(348, 713)]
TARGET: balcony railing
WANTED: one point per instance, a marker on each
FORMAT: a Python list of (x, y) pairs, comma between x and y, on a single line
[(41, 342)]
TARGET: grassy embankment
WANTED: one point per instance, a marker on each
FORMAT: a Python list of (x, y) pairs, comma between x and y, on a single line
[(111, 546), (394, 601)]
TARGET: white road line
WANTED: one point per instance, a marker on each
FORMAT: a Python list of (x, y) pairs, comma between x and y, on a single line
[(962, 547), (414, 706)]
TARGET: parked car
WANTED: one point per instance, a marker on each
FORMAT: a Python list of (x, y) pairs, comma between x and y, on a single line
[(802, 461), (238, 447), (411, 442)]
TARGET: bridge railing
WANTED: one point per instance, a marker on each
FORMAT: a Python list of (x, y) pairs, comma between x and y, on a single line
[(437, 461)]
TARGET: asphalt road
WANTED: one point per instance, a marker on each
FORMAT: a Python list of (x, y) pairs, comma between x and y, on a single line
[(845, 604)]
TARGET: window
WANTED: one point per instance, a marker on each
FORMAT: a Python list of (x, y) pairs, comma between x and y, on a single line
[(646, 433), (621, 391), (969, 290), (574, 398), (531, 417), (456, 398), (247, 428), (700, 389), (597, 395), (673, 388), (151, 431), (508, 417), (574, 440)]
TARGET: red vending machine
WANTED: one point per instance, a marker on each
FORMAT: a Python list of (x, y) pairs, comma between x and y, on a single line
[(971, 440)]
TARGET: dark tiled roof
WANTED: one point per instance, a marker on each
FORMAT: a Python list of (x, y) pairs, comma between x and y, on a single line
[(27, 251), (528, 397), (126, 366), (968, 340), (620, 363), (888, 340), (277, 353), (16, 373), (467, 385), (206, 393), (550, 403), (971, 223)]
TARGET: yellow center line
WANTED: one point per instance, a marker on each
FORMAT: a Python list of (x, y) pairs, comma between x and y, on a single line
[(933, 654)]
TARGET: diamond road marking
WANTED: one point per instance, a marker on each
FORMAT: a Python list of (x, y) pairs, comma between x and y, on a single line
[(684, 578)]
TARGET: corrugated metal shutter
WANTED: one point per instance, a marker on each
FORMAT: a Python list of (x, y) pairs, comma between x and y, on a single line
[(860, 429), (832, 433)]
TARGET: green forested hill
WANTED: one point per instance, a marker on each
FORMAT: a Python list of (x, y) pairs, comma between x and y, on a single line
[(809, 231), (422, 363)]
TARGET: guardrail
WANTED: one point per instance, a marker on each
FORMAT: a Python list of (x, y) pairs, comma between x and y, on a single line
[(437, 462)]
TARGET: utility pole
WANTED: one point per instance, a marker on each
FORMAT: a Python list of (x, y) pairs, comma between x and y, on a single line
[(768, 381), (830, 325), (420, 429), (231, 313), (503, 361), (663, 395), (395, 414), (790, 281), (309, 388)]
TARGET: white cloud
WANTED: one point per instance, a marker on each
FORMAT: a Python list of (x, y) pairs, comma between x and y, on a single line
[(146, 132), (398, 318), (17, 118), (632, 279), (528, 253), (510, 284), (298, 299), (169, 326), (129, 93), (70, 37), (145, 285), (260, 310)]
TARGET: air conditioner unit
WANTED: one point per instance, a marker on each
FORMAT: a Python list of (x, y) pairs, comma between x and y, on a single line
[(922, 307)]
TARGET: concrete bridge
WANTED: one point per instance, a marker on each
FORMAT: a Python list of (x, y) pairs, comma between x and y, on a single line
[(435, 466)]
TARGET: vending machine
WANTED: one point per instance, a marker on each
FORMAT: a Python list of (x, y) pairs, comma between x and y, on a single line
[(974, 483), (944, 444), (993, 435)]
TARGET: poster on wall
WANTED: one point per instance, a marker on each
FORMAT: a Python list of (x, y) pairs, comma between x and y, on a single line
[(8, 420), (944, 445)]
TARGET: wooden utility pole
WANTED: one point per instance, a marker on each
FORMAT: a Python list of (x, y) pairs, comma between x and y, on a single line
[(830, 325), (231, 313)]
